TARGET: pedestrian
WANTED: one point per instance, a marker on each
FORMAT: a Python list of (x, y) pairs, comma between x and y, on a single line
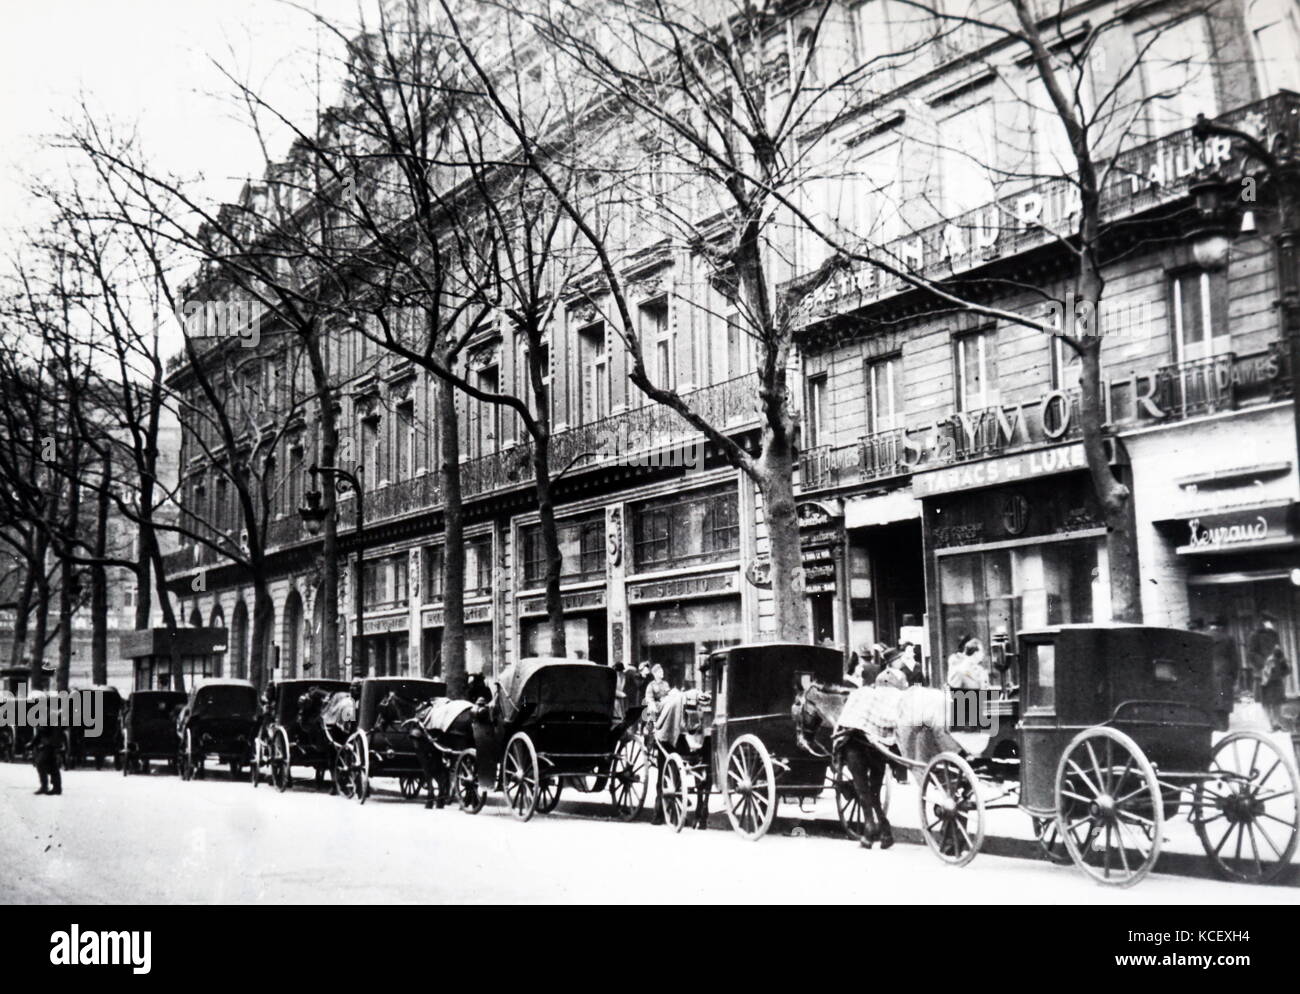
[(655, 693), (966, 669), (1273, 686), (47, 744), (620, 692), (1263, 640), (1225, 663), (476, 689)]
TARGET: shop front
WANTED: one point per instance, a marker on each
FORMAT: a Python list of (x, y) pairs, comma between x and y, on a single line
[(387, 646), (677, 622), (1027, 552), (885, 569), (479, 636), (585, 627)]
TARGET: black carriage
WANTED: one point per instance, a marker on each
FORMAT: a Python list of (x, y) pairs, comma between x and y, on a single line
[(751, 747), (220, 720), (282, 743), (149, 729), (553, 724), (380, 746), (1117, 735), (81, 748)]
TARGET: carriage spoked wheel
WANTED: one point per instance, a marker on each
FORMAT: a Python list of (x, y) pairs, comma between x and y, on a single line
[(281, 765), (521, 776), (674, 791), (342, 773), (749, 787), (847, 805), (1109, 809), (410, 787), (465, 782), (1247, 814), (360, 770), (549, 798), (1050, 843), (629, 778), (952, 810)]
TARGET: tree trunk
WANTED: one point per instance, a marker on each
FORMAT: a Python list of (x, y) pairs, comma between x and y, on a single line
[(36, 665), (99, 581), (782, 517), (21, 620), (328, 649), (263, 620), (550, 544), (453, 553), (168, 617)]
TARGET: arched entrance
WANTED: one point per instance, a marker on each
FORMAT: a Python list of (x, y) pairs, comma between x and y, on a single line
[(292, 655), (238, 651), (218, 620)]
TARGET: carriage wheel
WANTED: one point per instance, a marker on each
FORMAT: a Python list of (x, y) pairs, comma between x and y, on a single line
[(1108, 807), (847, 805), (468, 792), (674, 789), (1050, 843), (360, 768), (749, 787), (550, 796), (629, 778), (360, 785), (410, 787), (255, 764), (520, 776), (950, 802), (1248, 813), (281, 765)]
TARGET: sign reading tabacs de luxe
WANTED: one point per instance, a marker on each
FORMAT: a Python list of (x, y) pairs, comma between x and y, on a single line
[(998, 472)]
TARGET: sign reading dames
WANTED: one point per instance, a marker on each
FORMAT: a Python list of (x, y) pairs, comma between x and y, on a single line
[(997, 472)]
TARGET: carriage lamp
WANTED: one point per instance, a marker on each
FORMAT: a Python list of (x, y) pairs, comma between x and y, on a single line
[(1211, 232), (312, 512)]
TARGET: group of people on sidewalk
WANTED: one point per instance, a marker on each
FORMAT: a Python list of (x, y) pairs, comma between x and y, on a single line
[(1267, 666)]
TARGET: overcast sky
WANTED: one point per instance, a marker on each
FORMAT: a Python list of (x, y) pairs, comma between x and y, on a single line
[(149, 63)]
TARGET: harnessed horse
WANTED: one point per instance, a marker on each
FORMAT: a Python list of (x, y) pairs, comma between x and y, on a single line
[(436, 727)]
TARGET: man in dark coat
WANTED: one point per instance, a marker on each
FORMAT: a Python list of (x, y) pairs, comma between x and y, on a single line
[(1261, 645), (46, 746), (1223, 653)]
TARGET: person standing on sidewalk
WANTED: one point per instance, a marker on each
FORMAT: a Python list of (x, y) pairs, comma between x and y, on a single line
[(1263, 640), (1223, 654), (46, 747), (1272, 687)]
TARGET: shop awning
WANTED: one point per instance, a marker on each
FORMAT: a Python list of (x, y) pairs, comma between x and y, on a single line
[(882, 509)]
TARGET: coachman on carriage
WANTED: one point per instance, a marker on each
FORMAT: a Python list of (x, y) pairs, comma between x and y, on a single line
[(552, 723)]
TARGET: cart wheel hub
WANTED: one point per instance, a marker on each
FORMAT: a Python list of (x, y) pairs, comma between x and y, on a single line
[(1242, 807), (948, 805), (1103, 807)]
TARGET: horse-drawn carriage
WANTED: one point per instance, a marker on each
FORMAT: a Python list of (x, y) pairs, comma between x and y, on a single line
[(751, 747), (552, 723), (1117, 732), (80, 747), (381, 745), (219, 719), (287, 737), (149, 728)]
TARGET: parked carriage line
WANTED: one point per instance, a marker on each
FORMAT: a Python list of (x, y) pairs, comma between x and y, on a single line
[(1107, 734)]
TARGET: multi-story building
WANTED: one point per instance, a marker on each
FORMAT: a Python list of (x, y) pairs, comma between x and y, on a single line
[(940, 467)]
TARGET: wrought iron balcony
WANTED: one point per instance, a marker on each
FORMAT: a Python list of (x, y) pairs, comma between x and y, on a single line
[(872, 457)]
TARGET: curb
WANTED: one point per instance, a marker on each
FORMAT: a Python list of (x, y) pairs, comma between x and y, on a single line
[(1174, 864)]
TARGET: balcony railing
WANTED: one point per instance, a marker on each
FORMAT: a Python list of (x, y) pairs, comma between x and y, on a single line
[(871, 457)]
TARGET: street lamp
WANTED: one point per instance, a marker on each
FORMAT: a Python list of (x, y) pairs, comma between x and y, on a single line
[(313, 514), (1219, 221)]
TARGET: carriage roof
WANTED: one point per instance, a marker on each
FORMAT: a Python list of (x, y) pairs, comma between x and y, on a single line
[(232, 695), (553, 683), (413, 689), (761, 676)]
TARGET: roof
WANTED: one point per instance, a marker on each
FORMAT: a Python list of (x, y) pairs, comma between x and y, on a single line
[(222, 682), (515, 681)]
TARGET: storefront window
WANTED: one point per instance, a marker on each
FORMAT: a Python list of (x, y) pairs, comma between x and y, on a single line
[(582, 551), (433, 574), (677, 635), (584, 637), (478, 566), (680, 531)]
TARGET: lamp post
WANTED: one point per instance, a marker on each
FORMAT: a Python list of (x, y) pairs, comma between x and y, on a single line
[(1219, 219), (313, 516)]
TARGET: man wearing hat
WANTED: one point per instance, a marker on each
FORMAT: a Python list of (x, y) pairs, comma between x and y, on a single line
[(46, 746), (1261, 645), (1223, 654)]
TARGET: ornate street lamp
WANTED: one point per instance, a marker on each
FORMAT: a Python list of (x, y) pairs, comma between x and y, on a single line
[(313, 514)]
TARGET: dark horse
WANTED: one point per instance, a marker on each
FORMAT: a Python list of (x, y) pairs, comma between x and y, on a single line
[(431, 741), (817, 711)]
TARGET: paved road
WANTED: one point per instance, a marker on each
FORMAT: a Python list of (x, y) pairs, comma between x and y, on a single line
[(155, 839)]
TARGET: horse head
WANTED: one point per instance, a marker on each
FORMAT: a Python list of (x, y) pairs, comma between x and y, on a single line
[(310, 705), (816, 707)]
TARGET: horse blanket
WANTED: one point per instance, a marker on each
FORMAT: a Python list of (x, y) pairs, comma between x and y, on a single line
[(679, 716), (340, 711), (913, 721), (440, 714)]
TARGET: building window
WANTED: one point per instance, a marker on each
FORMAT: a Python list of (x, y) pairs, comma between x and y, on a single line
[(680, 531), (742, 347), (976, 358), (433, 567), (656, 340), (884, 389), (1178, 74), (594, 400), (968, 159), (1275, 31), (582, 551), (405, 440), (478, 566), (816, 411), (486, 417), (1200, 314)]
